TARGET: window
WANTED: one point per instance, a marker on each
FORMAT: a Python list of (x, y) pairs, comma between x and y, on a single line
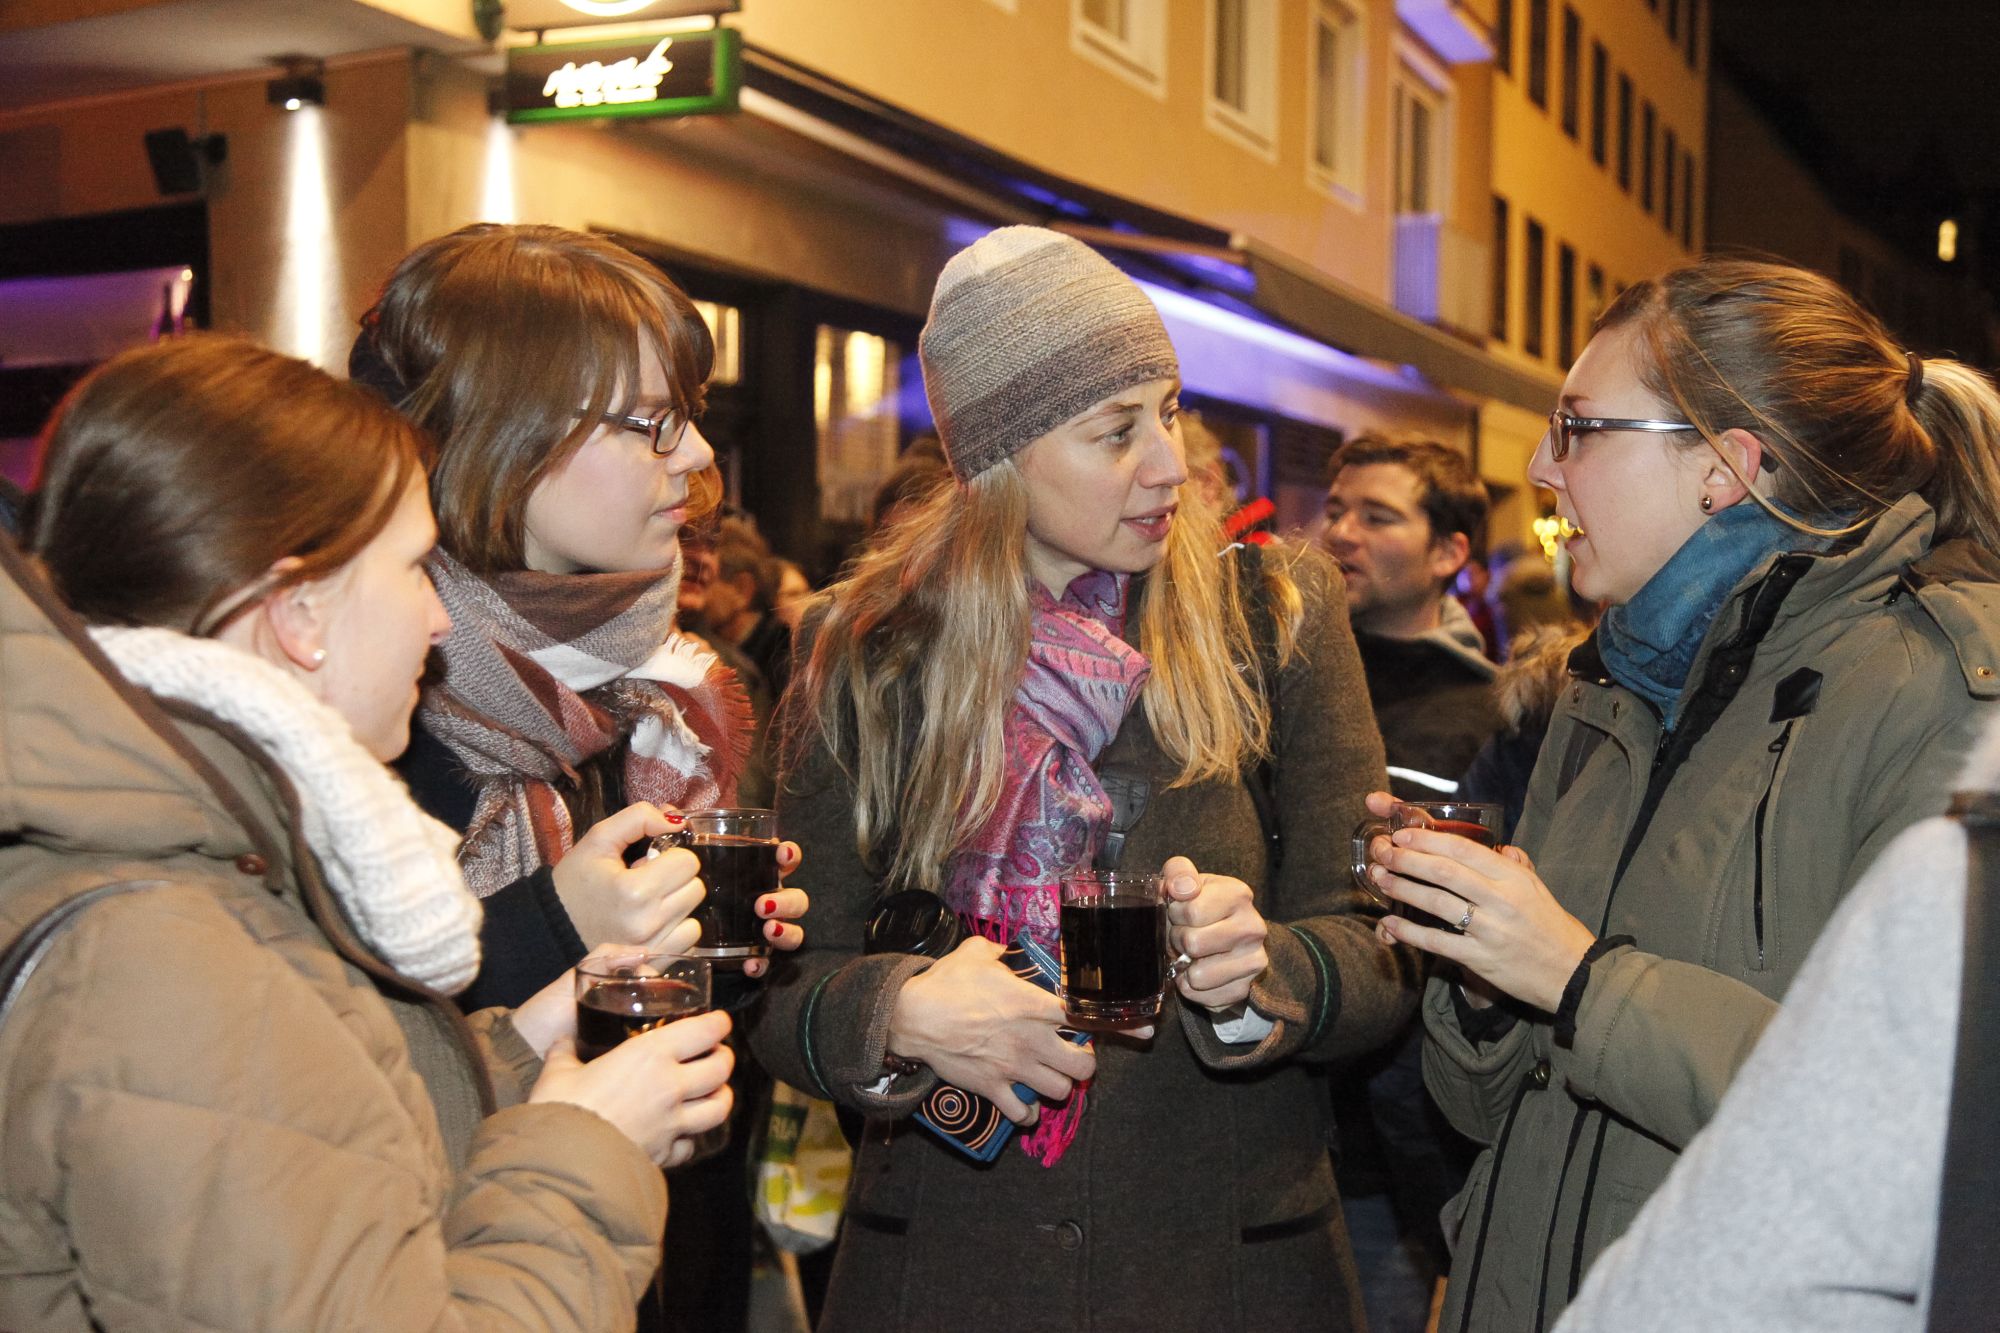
[(1421, 113), (1338, 114), (856, 384), (1127, 37), (1594, 295), (1501, 256), (1693, 34), (1687, 201), (1646, 157), (1624, 134), (1572, 72), (1533, 290), (1600, 74), (1565, 305), (1242, 74), (1667, 182), (725, 330), (1503, 37), (1538, 53)]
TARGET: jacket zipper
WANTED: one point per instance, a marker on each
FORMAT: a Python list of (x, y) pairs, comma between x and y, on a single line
[(1777, 749)]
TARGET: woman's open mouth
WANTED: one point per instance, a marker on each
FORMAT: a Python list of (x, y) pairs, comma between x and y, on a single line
[(1154, 525)]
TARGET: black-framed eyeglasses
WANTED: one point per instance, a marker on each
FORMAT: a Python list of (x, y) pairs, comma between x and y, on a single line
[(1563, 428), (663, 430)]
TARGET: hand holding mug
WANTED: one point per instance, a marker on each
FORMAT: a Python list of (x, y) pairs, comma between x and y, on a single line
[(1504, 924), (649, 903), (648, 1055), (1214, 922), (778, 910), (984, 1029)]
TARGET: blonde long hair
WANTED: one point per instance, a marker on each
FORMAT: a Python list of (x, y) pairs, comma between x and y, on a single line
[(921, 644)]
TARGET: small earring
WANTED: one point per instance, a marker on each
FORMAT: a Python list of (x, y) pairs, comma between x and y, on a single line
[(319, 654), (1707, 506)]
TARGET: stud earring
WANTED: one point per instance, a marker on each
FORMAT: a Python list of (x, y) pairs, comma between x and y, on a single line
[(1707, 506), (319, 654)]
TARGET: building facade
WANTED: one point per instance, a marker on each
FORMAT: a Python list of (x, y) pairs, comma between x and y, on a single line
[(1600, 130), (1336, 203)]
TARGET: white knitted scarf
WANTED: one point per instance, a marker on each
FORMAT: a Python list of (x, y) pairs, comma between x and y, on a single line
[(393, 868)]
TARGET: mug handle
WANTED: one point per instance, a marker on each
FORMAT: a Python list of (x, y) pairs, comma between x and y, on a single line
[(1358, 859)]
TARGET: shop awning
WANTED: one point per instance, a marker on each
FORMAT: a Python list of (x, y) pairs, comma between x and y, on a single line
[(1238, 272)]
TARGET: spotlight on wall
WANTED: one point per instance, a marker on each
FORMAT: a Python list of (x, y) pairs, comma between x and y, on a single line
[(181, 163), (302, 84)]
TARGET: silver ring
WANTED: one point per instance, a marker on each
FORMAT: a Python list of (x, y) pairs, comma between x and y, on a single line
[(1465, 922)]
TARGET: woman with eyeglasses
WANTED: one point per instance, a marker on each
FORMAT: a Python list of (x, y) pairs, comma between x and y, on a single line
[(1792, 522), (560, 377), (236, 1092)]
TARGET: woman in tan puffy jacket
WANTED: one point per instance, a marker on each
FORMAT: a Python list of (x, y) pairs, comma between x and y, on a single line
[(236, 1095)]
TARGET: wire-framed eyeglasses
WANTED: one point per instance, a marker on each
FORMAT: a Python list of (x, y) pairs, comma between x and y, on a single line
[(663, 430), (1564, 428)]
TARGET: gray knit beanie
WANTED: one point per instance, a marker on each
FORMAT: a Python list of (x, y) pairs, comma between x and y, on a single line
[(1028, 328)]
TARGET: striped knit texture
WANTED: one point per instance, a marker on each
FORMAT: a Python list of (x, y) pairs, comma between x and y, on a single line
[(392, 866), (1028, 328)]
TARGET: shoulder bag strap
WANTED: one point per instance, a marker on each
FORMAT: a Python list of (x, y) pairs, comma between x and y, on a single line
[(1261, 778), (25, 954), (1965, 1279)]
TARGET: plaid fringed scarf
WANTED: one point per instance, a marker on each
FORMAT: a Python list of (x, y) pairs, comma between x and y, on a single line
[(1080, 680), (542, 671)]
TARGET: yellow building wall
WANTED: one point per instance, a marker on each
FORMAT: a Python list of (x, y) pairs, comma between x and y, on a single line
[(1544, 173), (349, 220), (733, 190), (1013, 81)]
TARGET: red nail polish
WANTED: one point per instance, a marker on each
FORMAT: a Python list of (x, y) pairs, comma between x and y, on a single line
[(674, 817), (766, 906), (773, 929)]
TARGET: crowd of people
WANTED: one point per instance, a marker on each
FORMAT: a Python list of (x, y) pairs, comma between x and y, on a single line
[(337, 718)]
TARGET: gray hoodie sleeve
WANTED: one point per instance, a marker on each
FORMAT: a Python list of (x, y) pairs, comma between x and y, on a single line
[(1809, 1202)]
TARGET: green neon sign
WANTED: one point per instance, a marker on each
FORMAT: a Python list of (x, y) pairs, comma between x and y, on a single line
[(662, 74)]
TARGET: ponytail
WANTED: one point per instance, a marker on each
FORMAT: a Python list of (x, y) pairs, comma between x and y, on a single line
[(1959, 409)]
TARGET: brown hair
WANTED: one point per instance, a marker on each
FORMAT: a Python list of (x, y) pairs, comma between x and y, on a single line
[(174, 476), (1789, 356), (1454, 499), (509, 343)]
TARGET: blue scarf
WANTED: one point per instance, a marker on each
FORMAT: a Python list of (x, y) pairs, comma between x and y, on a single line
[(1649, 643)]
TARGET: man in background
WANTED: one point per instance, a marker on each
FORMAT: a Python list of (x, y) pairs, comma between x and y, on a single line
[(1402, 518)]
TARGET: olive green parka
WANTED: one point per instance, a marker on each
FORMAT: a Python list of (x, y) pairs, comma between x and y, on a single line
[(1828, 710)]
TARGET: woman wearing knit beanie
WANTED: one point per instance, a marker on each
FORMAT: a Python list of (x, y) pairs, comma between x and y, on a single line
[(1061, 610)]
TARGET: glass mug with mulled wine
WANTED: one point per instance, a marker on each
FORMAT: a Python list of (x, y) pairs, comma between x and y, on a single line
[(619, 995), (738, 851), (1116, 962), (1477, 820)]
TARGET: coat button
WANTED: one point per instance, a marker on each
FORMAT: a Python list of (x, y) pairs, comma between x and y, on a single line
[(1539, 1075), (252, 864), (1069, 1236)]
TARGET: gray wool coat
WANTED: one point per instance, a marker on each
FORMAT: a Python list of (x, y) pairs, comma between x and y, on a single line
[(1199, 1192)]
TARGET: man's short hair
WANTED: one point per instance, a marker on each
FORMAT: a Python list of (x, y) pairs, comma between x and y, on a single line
[(1452, 496)]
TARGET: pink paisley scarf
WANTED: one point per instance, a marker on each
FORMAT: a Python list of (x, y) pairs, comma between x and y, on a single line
[(1080, 682)]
